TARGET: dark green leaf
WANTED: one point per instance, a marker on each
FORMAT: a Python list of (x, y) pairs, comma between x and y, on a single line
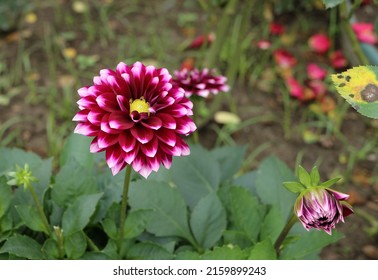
[(30, 216), (24, 247), (51, 250), (315, 176), (245, 212), (270, 176), (306, 243), (95, 256), (230, 159), (72, 181), (196, 175), (110, 228), (263, 250), (187, 255), (5, 196), (236, 237), (75, 245), (208, 220), (332, 3), (136, 222), (169, 216), (304, 177), (227, 252), (77, 215), (77, 147), (294, 187), (329, 183), (148, 251), (272, 225), (247, 181)]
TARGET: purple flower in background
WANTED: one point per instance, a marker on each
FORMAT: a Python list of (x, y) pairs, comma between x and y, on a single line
[(321, 208), (137, 116), (201, 83)]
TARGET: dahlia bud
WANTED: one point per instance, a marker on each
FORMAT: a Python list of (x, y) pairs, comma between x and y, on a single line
[(318, 206)]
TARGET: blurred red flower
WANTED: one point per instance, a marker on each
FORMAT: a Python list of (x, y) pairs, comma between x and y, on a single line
[(315, 72), (319, 43), (365, 32), (276, 28), (284, 59), (338, 60)]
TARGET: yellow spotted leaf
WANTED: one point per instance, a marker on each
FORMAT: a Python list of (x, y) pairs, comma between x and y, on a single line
[(359, 87)]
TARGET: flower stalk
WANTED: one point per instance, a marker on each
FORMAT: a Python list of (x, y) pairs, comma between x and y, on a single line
[(123, 213), (277, 245), (40, 209)]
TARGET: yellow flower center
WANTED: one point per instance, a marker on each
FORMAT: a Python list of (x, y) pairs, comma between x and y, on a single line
[(139, 105)]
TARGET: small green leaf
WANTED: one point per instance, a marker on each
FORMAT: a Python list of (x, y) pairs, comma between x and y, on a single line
[(269, 178), (294, 187), (329, 183), (23, 247), (315, 176), (230, 159), (77, 215), (263, 250), (5, 196), (30, 216), (196, 175), (75, 245), (227, 252), (272, 225), (304, 177), (148, 251), (332, 3), (77, 147), (245, 212), (72, 181), (170, 216), (110, 228), (208, 220), (50, 248), (136, 222)]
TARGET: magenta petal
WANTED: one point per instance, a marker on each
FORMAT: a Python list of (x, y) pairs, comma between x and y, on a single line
[(119, 120), (114, 155), (122, 100), (130, 156), (338, 195), (107, 102), (105, 140), (86, 129), (118, 167), (152, 122), (150, 148), (145, 171), (167, 121), (87, 102), (126, 141), (142, 134), (95, 116), (346, 209), (167, 136), (81, 116), (94, 148)]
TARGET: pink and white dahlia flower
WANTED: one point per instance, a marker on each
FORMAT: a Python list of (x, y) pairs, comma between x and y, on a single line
[(321, 208), (201, 83), (137, 116)]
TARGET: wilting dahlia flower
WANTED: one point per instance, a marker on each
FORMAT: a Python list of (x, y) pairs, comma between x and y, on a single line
[(321, 208), (136, 116), (201, 83)]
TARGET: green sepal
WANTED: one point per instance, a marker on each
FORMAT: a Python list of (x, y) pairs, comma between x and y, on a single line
[(329, 183), (315, 176), (304, 177), (294, 187)]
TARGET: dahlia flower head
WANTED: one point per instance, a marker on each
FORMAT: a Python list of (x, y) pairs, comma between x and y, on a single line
[(321, 208), (137, 116), (201, 83)]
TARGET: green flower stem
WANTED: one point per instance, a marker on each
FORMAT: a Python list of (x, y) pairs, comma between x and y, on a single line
[(351, 35), (40, 209), (59, 235), (122, 216), (277, 246)]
